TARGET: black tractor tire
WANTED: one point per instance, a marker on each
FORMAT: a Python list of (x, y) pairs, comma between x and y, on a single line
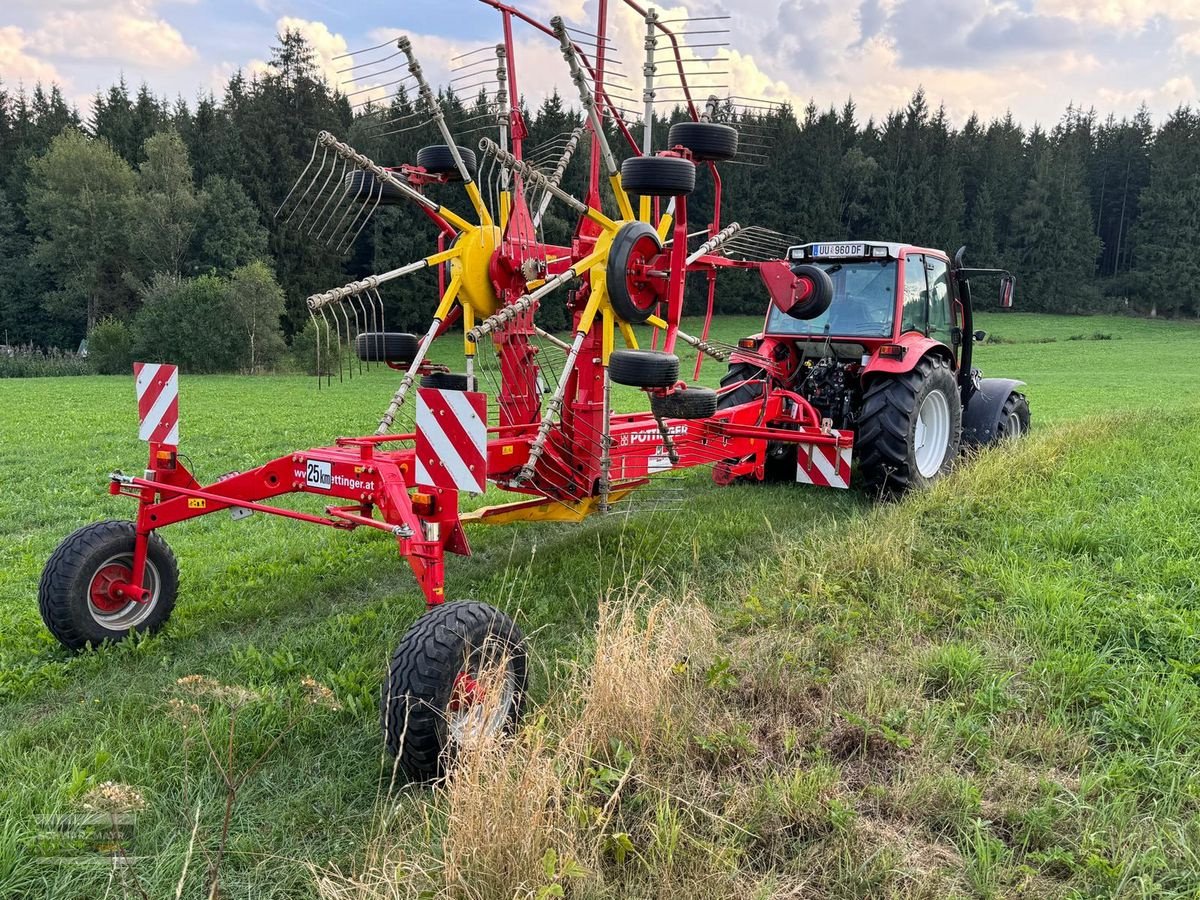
[(818, 301), (462, 637), (387, 346), (617, 278), (886, 430), (65, 591), (687, 403), (750, 381), (643, 368), (1014, 417), (444, 381), (366, 188), (658, 176), (436, 159), (708, 141)]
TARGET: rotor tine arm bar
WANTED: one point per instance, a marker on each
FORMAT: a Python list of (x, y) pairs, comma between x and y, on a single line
[(435, 110), (316, 301), (703, 346), (348, 153), (557, 176), (713, 242), (557, 342), (533, 176)]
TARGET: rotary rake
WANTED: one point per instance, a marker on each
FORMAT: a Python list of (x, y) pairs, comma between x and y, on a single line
[(530, 413)]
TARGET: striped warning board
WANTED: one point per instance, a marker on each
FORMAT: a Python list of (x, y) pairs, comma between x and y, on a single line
[(823, 465), (452, 440), (158, 402)]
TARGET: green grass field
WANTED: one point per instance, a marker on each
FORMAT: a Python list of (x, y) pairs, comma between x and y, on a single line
[(1013, 654)]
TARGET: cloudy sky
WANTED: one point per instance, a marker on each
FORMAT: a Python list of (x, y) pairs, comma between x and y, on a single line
[(1030, 56)]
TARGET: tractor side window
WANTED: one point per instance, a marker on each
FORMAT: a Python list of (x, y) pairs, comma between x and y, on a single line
[(916, 295), (940, 317)]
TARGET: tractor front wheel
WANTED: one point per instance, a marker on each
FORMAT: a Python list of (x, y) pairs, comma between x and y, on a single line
[(83, 593), (458, 677), (909, 428)]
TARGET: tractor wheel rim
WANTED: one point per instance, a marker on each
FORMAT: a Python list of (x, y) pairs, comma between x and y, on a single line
[(1014, 425), (120, 613), (931, 436), (475, 717)]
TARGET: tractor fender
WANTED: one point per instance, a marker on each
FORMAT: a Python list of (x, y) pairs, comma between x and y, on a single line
[(982, 411), (916, 347)]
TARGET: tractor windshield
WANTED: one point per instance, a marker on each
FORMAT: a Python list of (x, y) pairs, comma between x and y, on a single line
[(864, 303)]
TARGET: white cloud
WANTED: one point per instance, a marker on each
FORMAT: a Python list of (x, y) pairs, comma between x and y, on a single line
[(325, 44), (1127, 13), (18, 65), (128, 33), (1165, 97)]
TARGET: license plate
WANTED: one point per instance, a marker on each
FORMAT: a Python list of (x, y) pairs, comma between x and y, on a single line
[(829, 251)]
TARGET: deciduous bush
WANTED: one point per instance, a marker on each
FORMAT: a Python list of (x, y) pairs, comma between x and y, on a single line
[(193, 323), (110, 347)]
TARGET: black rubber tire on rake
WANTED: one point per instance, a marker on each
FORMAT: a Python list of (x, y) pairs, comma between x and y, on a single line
[(658, 176), (693, 402), (436, 159), (617, 281), (387, 346), (643, 368), (886, 425), (64, 589), (366, 188), (708, 141), (444, 381), (422, 673), (822, 293)]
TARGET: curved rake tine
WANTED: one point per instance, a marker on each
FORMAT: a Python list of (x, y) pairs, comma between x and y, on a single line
[(361, 213), (327, 350), (380, 326), (340, 183), (341, 196), (320, 191), (307, 190), (299, 179), (340, 315), (357, 306), (367, 217), (354, 205), (317, 344)]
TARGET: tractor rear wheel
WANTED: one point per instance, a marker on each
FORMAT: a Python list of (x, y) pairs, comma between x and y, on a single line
[(658, 176), (686, 403), (458, 677), (909, 428), (80, 595), (1014, 417), (387, 346), (436, 159), (643, 368)]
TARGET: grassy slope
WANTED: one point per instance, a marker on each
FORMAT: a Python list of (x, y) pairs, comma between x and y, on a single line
[(265, 602)]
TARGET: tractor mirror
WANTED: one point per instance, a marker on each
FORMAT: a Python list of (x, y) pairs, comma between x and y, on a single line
[(1007, 284)]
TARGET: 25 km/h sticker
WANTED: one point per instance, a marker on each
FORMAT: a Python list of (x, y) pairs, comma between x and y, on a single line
[(319, 475)]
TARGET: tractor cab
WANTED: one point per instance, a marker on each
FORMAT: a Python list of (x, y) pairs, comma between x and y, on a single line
[(878, 293)]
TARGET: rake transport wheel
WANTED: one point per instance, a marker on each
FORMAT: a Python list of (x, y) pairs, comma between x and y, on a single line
[(643, 368), (366, 188), (707, 140), (444, 381), (658, 176), (909, 428), (436, 159), (632, 298), (80, 595), (435, 698), (387, 346), (685, 403)]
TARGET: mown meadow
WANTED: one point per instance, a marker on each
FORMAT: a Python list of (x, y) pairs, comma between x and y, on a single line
[(991, 689)]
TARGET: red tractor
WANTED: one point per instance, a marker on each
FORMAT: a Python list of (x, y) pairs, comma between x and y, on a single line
[(878, 337)]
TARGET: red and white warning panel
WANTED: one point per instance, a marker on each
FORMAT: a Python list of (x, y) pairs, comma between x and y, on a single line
[(158, 402), (452, 440), (823, 466)]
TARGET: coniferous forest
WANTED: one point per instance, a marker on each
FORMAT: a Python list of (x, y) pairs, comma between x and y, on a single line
[(151, 224)]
